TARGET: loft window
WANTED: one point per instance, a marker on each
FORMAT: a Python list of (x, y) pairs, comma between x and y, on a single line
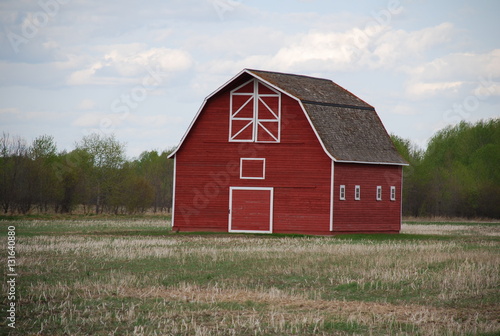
[(379, 193), (342, 192), (255, 113), (357, 193), (252, 169), (393, 193)]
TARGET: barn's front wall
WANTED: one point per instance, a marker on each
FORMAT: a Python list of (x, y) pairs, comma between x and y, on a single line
[(367, 214), (209, 174)]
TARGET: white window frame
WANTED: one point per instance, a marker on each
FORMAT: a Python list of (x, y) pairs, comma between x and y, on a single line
[(342, 193), (255, 122), (357, 193), (251, 177), (393, 193), (379, 193)]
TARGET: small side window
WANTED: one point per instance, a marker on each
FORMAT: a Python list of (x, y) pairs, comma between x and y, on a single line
[(379, 193), (357, 193), (393, 193), (342, 192)]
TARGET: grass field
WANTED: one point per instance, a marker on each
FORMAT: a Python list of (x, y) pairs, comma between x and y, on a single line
[(136, 277)]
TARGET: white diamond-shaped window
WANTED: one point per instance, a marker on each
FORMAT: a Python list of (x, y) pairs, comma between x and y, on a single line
[(255, 111)]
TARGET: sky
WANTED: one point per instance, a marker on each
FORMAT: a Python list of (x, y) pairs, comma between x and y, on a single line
[(141, 69)]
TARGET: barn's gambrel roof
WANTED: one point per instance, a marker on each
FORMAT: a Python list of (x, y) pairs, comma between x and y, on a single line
[(348, 128)]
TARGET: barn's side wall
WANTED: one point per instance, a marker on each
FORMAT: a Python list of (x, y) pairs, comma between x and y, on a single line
[(208, 164), (367, 214)]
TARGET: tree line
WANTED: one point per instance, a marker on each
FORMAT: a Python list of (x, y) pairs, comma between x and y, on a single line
[(457, 175), (95, 177)]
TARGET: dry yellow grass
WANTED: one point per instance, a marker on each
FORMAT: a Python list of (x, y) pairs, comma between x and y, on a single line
[(176, 284), (451, 229)]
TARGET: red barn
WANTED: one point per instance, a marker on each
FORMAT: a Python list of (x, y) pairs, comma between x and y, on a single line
[(274, 152)]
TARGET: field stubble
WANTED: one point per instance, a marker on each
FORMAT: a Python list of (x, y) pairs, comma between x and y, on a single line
[(76, 281)]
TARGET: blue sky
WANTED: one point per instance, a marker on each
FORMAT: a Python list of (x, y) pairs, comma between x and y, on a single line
[(141, 70)]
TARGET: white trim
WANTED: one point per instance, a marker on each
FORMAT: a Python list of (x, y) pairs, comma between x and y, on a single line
[(267, 131), (269, 109), (401, 201), (357, 193), (342, 192), (255, 109), (173, 190), (374, 163), (242, 85), (393, 193), (242, 106), (271, 209), (314, 128), (255, 121), (253, 178), (251, 121), (379, 193), (332, 196)]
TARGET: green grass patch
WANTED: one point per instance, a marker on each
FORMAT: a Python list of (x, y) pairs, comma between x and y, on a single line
[(134, 276)]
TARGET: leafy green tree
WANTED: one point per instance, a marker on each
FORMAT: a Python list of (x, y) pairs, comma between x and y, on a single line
[(16, 171), (73, 171), (46, 186), (157, 170), (412, 188), (135, 194), (107, 155), (458, 173)]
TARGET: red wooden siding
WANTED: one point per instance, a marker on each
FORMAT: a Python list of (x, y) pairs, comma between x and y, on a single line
[(251, 210), (208, 164), (368, 214)]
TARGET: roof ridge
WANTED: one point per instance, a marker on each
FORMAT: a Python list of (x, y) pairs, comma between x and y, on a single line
[(289, 74), (368, 108)]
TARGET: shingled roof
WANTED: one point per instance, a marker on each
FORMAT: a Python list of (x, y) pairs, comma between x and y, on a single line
[(349, 128)]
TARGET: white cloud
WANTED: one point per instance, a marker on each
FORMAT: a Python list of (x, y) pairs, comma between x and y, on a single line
[(374, 47), (396, 47), (487, 88), (426, 90), (86, 104), (474, 73), (9, 110), (119, 64), (317, 49), (468, 66)]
